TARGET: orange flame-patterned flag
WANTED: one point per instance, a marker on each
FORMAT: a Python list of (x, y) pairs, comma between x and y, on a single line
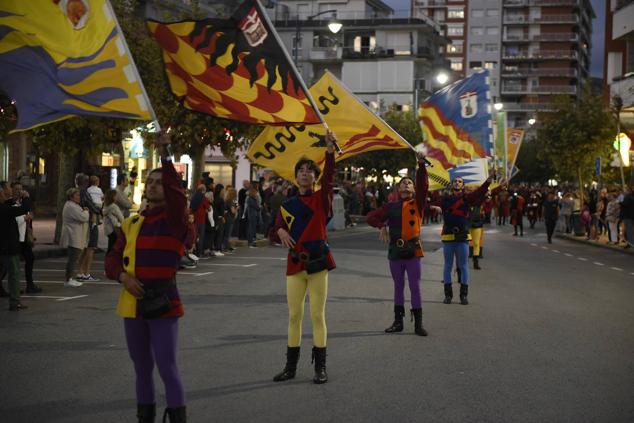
[(234, 68)]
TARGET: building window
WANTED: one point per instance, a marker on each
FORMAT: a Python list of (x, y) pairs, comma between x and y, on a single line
[(221, 172), (439, 15), (493, 13), (455, 13), (493, 30), (477, 30), (297, 45), (490, 65), (475, 48), (477, 13), (475, 65), (491, 47), (456, 65), (455, 30), (454, 48)]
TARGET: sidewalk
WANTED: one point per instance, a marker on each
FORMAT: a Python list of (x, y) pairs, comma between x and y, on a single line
[(602, 242)]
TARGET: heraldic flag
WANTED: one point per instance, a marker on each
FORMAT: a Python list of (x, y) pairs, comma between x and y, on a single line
[(358, 130), (456, 122), (60, 58), (235, 68)]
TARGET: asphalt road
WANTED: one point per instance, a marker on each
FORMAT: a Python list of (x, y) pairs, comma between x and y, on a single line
[(548, 337)]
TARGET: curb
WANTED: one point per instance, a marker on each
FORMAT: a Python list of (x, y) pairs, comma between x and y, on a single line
[(597, 244)]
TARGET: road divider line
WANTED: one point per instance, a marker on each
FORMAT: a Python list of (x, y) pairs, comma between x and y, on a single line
[(204, 274), (616, 268), (544, 248), (227, 264), (84, 283), (48, 297), (582, 258), (598, 264), (568, 254), (534, 245), (72, 298), (555, 251)]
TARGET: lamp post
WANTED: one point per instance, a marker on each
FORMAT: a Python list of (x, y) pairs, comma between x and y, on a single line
[(334, 26)]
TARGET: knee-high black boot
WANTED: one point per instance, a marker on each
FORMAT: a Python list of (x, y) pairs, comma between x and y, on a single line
[(176, 415), (448, 293), (464, 291), (146, 413), (417, 314), (397, 325), (292, 356), (319, 357), (476, 265)]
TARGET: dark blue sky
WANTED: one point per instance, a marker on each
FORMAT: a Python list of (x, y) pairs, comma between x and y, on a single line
[(597, 35)]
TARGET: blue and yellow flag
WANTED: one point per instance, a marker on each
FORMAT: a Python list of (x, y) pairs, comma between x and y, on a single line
[(60, 58), (456, 122)]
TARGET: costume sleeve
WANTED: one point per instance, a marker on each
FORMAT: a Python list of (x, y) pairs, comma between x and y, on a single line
[(279, 223), (378, 217), (113, 263), (328, 183), (422, 187), (477, 197), (175, 201)]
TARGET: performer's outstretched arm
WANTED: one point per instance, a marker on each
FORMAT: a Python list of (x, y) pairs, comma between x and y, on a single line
[(328, 177), (422, 183)]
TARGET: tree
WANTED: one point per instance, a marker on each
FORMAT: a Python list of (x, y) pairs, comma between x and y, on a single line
[(532, 168), (574, 135), (389, 162)]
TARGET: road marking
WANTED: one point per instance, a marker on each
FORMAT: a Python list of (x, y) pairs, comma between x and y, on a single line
[(72, 298), (632, 273), (533, 244), (598, 264), (544, 248), (616, 268), (53, 297), (195, 273), (255, 258), (555, 251), (204, 274), (568, 254), (227, 264), (84, 283), (582, 259)]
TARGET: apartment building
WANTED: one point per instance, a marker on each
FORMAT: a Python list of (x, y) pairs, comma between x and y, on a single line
[(382, 57), (618, 67)]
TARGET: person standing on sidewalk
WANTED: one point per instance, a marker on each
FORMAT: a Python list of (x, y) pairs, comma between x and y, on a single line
[(145, 260), (627, 212), (73, 237), (25, 228), (404, 218), (92, 234), (112, 217), (612, 217), (550, 209), (301, 227), (10, 241), (122, 199)]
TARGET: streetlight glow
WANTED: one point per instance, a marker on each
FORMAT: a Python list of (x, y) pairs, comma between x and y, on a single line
[(442, 78), (498, 106), (334, 26), (532, 121)]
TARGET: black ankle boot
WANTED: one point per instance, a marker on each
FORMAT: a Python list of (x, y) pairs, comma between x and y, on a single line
[(417, 314), (464, 291), (397, 326), (292, 356), (176, 415), (146, 413), (476, 265), (319, 357), (448, 293)]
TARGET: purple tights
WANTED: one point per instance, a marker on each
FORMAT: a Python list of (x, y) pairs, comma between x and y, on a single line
[(398, 269), (150, 341)]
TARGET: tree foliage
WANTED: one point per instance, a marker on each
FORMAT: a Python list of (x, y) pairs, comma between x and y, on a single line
[(532, 168), (389, 162), (571, 138)]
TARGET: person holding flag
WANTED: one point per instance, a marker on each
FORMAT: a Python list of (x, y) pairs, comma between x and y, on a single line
[(455, 234), (301, 227), (403, 217)]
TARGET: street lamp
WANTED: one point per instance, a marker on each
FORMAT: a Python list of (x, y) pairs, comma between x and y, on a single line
[(498, 106), (532, 121), (442, 78)]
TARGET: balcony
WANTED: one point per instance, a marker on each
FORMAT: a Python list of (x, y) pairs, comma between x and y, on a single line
[(540, 89), (527, 107), (570, 36), (516, 38), (540, 55), (543, 3), (516, 19), (555, 19), (547, 72), (379, 52), (317, 54)]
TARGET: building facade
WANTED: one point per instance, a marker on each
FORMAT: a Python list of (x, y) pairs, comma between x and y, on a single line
[(381, 57)]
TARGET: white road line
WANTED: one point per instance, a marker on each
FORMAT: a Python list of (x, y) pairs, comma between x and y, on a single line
[(227, 264), (254, 258), (533, 244), (544, 248), (616, 268), (555, 251), (84, 283), (72, 298), (568, 254), (632, 273), (582, 259), (204, 274), (51, 297), (598, 264)]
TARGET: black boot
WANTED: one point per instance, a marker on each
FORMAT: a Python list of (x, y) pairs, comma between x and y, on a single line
[(464, 291), (417, 314), (470, 251), (176, 415), (448, 293), (292, 355), (476, 265), (319, 357), (397, 326), (146, 412)]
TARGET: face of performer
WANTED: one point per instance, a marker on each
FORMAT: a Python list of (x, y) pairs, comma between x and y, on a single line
[(154, 189), (457, 185), (305, 177), (406, 188)]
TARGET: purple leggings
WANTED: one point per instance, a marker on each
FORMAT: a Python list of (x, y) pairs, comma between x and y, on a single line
[(149, 341), (398, 269)]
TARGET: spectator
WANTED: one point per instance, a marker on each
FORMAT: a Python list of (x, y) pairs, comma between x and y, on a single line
[(627, 212), (199, 205), (219, 219), (122, 199), (96, 194), (74, 229), (231, 212), (242, 212), (252, 210), (25, 228), (566, 213), (112, 217), (550, 212), (87, 255), (612, 217), (10, 241)]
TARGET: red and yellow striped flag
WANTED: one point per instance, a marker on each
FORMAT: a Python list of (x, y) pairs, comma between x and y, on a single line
[(233, 68)]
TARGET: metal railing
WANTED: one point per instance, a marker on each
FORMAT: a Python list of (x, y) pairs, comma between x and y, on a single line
[(523, 3), (510, 38), (523, 19), (565, 72), (540, 54), (541, 89), (325, 53), (527, 107), (350, 52)]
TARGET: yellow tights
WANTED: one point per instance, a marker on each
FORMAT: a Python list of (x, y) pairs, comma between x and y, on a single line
[(296, 287), (476, 236)]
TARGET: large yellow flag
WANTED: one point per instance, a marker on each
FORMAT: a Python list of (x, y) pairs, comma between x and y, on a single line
[(358, 130), (60, 58)]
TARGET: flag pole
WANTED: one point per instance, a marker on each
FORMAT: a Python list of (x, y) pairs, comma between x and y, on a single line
[(136, 71), (302, 84)]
